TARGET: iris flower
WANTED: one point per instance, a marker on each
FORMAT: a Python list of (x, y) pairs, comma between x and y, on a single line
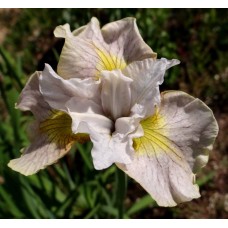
[(107, 91)]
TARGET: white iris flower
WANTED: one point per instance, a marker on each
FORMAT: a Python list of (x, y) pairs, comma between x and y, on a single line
[(107, 90)]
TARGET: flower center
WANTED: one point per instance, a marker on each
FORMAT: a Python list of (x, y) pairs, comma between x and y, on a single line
[(153, 139), (108, 61)]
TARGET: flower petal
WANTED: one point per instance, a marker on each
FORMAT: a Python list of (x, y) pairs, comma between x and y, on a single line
[(125, 40), (86, 54), (115, 94), (191, 125), (166, 181), (53, 140), (108, 150), (147, 75), (32, 100), (63, 90), (63, 31), (175, 138), (91, 50), (87, 111), (111, 148)]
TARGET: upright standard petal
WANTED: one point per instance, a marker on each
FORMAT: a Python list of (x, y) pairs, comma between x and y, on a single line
[(147, 75), (115, 94), (93, 49), (175, 142)]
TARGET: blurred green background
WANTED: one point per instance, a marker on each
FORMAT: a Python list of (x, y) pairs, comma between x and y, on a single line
[(72, 188)]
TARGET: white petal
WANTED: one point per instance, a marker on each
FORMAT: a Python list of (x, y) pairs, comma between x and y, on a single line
[(124, 39), (53, 138), (32, 100), (176, 138), (115, 94), (79, 57), (38, 156), (128, 126), (108, 150), (63, 31), (147, 75), (160, 168), (166, 181), (90, 50), (191, 125), (115, 147), (87, 111), (57, 91)]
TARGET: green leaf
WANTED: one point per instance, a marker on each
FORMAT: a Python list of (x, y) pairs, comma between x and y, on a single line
[(85, 156), (206, 178), (141, 204), (8, 204), (92, 212)]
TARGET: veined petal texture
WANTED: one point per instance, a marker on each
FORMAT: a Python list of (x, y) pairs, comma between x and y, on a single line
[(175, 145)]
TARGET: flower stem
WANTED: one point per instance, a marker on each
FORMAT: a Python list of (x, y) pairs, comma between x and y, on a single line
[(121, 188)]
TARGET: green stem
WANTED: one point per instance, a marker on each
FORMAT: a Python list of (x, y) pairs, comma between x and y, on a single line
[(121, 182)]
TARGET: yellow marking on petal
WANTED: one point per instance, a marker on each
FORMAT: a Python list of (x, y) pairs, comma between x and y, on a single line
[(57, 127), (155, 141), (109, 61)]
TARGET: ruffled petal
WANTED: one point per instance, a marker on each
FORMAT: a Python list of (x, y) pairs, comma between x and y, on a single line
[(147, 75), (191, 125), (115, 94), (108, 149), (87, 111), (116, 147), (91, 50), (175, 139), (165, 180), (79, 58), (32, 100), (125, 40), (63, 90), (53, 139)]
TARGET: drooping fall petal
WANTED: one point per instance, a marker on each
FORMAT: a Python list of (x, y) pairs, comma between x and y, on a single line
[(147, 75), (52, 136), (174, 145)]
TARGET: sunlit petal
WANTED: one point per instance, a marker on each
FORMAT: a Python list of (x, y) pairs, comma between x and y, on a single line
[(63, 90), (90, 50), (53, 139), (125, 40), (147, 75), (190, 124), (115, 94), (87, 111), (32, 100), (174, 145)]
